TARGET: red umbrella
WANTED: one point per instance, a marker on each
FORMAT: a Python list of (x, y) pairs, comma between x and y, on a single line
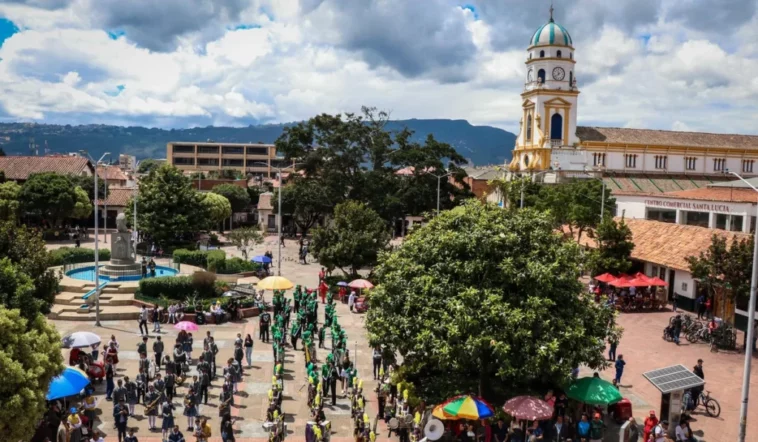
[(658, 282), (621, 281), (605, 277), (528, 408)]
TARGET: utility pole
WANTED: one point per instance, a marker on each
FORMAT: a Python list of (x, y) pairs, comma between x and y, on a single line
[(97, 249)]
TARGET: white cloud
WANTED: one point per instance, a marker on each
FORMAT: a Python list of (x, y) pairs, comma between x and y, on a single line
[(292, 59)]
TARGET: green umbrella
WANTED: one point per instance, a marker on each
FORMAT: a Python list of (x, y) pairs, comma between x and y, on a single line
[(594, 391)]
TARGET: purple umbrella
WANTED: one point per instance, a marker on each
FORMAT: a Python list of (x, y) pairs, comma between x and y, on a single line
[(342, 284), (528, 408)]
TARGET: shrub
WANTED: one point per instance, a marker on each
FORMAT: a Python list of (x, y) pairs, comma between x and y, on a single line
[(237, 265), (73, 255), (180, 287), (199, 258), (215, 260)]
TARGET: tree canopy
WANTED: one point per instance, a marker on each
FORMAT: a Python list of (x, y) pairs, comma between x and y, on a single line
[(167, 206), (30, 357), (26, 282), (237, 196), (216, 208), (82, 206), (305, 200), (245, 239), (88, 184), (614, 248), (352, 240), (486, 300), (354, 157), (148, 165), (10, 206), (48, 196)]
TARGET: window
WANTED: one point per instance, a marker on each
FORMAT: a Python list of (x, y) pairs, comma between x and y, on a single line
[(735, 223), (184, 161), (542, 54), (747, 166), (719, 164), (721, 221), (665, 216), (661, 161), (530, 55), (630, 161), (529, 128), (207, 161), (556, 127), (207, 149), (234, 150), (598, 159), (257, 151), (690, 163), (184, 149), (696, 218), (233, 163), (541, 76), (558, 54), (571, 78)]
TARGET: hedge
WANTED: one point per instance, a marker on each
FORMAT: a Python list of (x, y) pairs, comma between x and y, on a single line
[(236, 265), (198, 258), (73, 255), (181, 287)]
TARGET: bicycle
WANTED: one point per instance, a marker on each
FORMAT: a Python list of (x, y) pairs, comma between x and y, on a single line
[(702, 334), (712, 406)]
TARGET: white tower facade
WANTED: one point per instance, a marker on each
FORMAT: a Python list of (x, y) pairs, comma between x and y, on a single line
[(549, 100)]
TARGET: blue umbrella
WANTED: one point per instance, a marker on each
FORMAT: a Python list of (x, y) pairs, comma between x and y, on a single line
[(262, 259), (68, 383), (342, 284)]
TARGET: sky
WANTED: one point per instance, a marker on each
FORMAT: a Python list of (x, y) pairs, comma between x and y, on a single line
[(661, 64)]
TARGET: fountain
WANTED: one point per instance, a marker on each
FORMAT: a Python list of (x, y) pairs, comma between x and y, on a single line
[(122, 252)]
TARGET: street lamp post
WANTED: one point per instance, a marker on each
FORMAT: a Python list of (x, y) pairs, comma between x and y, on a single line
[(97, 249), (439, 182), (105, 211), (750, 327), (602, 181), (279, 204)]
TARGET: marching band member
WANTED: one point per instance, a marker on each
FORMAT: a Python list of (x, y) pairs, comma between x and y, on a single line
[(152, 398), (132, 394), (170, 386), (167, 413), (90, 403), (141, 385), (131, 437), (225, 399), (176, 435), (121, 417), (190, 407), (160, 385)]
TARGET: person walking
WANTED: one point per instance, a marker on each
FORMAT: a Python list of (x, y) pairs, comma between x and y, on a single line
[(619, 368), (676, 328), (351, 300), (158, 350), (612, 346), (700, 308), (377, 359), (142, 318)]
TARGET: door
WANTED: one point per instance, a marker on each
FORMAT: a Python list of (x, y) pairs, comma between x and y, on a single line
[(671, 284)]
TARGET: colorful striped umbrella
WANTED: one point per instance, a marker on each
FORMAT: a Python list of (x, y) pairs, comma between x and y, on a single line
[(469, 407)]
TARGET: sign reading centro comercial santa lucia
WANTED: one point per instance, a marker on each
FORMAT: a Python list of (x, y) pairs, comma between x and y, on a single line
[(689, 205)]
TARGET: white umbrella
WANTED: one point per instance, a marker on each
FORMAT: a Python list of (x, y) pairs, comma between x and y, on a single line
[(229, 294), (80, 340)]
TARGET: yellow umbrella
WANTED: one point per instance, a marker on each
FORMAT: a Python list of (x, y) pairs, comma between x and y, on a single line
[(275, 283), (439, 413)]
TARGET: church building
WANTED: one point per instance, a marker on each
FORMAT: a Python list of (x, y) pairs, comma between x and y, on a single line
[(551, 147)]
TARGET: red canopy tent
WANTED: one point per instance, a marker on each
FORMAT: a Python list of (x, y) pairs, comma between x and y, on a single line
[(658, 282), (621, 281), (605, 277)]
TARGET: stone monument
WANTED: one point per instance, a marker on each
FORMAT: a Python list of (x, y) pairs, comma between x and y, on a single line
[(122, 252)]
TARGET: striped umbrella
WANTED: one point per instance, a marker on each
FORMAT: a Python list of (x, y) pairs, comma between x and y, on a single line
[(469, 407)]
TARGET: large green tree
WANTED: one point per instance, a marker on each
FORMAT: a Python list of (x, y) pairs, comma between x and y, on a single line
[(306, 200), (88, 184), (27, 282), (10, 206), (216, 207), (167, 205), (237, 196), (576, 204), (352, 240), (486, 300), (148, 165), (82, 206), (48, 196), (30, 357), (726, 267), (614, 248), (355, 157)]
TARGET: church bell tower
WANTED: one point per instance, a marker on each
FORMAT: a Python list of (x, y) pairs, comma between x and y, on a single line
[(549, 100)]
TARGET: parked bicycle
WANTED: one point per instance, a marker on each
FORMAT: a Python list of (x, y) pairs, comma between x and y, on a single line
[(711, 405)]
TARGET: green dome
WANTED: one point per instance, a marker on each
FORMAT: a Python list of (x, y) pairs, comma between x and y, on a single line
[(551, 33)]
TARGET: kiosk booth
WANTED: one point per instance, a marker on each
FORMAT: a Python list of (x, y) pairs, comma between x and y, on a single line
[(672, 382)]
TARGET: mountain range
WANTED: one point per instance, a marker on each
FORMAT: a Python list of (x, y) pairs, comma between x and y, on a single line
[(481, 145)]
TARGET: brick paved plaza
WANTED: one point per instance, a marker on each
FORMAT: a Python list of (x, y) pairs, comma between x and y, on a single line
[(641, 345)]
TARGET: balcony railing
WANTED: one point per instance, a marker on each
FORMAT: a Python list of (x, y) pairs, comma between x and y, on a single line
[(556, 143)]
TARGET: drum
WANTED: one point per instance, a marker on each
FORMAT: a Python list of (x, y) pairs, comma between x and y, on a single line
[(309, 435), (269, 426), (326, 430)]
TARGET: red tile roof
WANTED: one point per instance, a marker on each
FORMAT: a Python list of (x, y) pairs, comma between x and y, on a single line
[(112, 173), (20, 167), (666, 244), (716, 194), (118, 196), (617, 135)]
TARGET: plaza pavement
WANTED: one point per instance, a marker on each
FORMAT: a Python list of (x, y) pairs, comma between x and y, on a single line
[(251, 403), (642, 347)]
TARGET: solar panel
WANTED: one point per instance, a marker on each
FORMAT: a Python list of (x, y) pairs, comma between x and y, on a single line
[(673, 378)]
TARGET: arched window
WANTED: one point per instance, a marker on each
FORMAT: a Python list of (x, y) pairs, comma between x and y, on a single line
[(559, 54), (541, 76), (571, 78), (556, 127), (542, 54), (529, 128)]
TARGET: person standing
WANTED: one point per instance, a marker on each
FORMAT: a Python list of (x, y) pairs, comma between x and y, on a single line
[(612, 346), (249, 350), (696, 391), (227, 429), (264, 323), (152, 403), (708, 307), (676, 328), (597, 427), (158, 350), (167, 413), (634, 430), (109, 373), (376, 355), (700, 308), (351, 300), (650, 422), (187, 345), (121, 417), (132, 395), (119, 393), (620, 362), (142, 320)]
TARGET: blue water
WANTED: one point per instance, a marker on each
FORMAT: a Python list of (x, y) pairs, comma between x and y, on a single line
[(88, 274)]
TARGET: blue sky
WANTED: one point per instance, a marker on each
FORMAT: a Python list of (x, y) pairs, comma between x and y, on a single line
[(666, 64)]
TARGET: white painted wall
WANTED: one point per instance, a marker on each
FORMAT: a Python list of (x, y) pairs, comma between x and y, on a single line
[(682, 277)]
